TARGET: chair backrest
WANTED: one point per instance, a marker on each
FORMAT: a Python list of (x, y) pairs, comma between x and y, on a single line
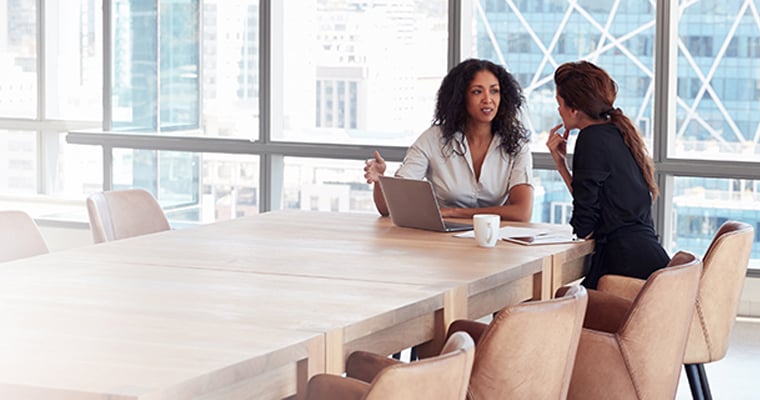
[(528, 350), (723, 273), (443, 377), (19, 236), (121, 214), (652, 338)]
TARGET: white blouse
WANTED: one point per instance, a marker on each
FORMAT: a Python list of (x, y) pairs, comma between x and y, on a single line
[(451, 172)]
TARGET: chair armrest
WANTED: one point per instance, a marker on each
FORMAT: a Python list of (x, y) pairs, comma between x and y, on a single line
[(329, 387), (600, 370), (364, 366), (474, 328), (622, 286), (605, 312)]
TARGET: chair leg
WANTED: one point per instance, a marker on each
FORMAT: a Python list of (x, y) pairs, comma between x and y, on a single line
[(703, 380), (695, 384), (413, 356)]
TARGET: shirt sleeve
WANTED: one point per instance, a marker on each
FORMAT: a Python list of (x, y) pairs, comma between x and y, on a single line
[(522, 170), (417, 159), (590, 171)]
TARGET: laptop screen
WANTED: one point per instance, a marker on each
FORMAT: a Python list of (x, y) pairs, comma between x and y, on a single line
[(412, 204)]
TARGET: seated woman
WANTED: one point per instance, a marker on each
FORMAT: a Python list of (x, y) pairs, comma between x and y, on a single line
[(476, 152), (612, 183)]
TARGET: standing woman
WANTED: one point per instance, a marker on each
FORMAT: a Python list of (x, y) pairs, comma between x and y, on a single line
[(476, 152), (612, 182)]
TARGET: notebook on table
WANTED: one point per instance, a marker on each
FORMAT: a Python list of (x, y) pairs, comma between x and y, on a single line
[(535, 236), (412, 204), (548, 238)]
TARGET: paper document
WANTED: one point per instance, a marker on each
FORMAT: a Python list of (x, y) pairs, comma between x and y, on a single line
[(519, 231), (543, 238), (530, 236), (508, 231)]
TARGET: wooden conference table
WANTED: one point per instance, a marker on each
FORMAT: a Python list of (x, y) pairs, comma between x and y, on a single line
[(249, 308)]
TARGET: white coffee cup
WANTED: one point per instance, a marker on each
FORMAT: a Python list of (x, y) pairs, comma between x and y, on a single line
[(486, 228)]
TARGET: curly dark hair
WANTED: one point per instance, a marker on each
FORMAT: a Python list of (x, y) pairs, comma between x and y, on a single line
[(451, 108)]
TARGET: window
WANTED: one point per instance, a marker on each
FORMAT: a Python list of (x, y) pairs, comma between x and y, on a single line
[(18, 172), (580, 30), (327, 185), (18, 81), (699, 46), (390, 54), (42, 95), (336, 79), (74, 60), (552, 202), (753, 47), (230, 69), (733, 48), (155, 76), (714, 123), (702, 205)]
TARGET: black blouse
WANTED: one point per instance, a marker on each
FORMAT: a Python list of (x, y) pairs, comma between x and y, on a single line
[(609, 190)]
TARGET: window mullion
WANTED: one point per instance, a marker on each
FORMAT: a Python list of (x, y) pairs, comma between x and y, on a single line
[(666, 37), (158, 66), (40, 115), (107, 65)]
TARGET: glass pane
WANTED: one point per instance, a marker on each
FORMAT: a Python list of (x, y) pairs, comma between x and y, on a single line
[(230, 186), (534, 37), (718, 81), (552, 202), (134, 73), (179, 65), (74, 60), (18, 59), (231, 68), (192, 187), (18, 162), (170, 175), (138, 79), (320, 184), (73, 170), (701, 205), (358, 72)]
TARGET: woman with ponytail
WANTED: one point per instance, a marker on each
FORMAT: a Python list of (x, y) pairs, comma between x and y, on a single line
[(612, 181)]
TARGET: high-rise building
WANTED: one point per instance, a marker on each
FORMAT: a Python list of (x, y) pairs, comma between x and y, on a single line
[(718, 90)]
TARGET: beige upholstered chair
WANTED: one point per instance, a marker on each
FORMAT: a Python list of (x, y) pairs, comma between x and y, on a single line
[(443, 377), (19, 236), (725, 266), (632, 349), (121, 214), (528, 350)]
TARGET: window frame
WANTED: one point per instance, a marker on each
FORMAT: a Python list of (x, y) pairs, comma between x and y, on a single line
[(271, 152)]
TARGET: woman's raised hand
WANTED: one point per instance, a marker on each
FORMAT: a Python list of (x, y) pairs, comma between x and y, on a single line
[(374, 168), (557, 144)]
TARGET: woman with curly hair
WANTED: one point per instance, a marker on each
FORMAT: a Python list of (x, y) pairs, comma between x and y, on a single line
[(476, 152), (612, 182)]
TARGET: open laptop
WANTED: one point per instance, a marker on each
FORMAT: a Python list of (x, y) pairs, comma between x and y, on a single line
[(412, 204)]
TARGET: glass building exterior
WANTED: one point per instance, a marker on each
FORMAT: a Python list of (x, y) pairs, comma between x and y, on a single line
[(718, 89), (319, 75)]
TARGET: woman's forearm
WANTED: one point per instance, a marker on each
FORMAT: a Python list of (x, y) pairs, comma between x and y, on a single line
[(377, 196)]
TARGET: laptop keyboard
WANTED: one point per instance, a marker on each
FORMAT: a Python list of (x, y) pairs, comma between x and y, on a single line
[(457, 226)]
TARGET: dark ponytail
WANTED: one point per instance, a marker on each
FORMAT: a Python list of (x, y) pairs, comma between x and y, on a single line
[(588, 88)]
